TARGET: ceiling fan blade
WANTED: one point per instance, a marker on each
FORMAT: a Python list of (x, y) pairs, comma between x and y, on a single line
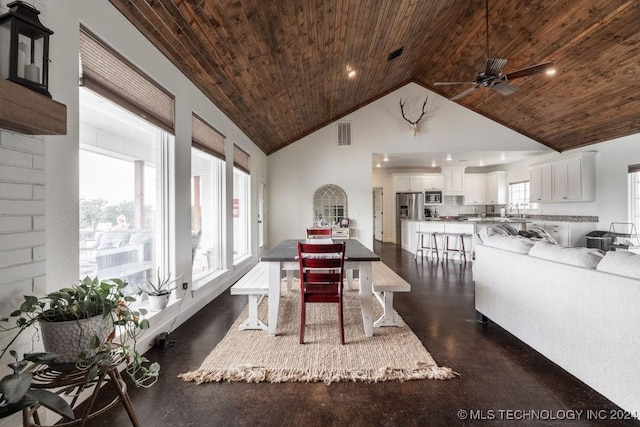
[(453, 83), (504, 88), (494, 66), (529, 71), (465, 93)]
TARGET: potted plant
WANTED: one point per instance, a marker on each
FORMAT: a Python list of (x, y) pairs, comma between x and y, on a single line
[(160, 291), (98, 327), (16, 393)]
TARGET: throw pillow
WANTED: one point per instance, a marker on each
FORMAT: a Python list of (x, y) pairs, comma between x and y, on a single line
[(621, 262), (517, 244), (580, 257)]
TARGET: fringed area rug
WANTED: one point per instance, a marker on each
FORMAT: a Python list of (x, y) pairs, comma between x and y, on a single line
[(392, 354)]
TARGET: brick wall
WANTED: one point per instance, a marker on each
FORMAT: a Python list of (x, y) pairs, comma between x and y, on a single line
[(22, 223)]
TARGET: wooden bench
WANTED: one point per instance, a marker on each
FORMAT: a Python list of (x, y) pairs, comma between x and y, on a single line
[(254, 284), (385, 283)]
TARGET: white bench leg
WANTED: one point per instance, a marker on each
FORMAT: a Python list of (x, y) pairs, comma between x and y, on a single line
[(388, 317), (253, 322)]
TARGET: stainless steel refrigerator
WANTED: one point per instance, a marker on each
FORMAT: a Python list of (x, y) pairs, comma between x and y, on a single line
[(408, 206)]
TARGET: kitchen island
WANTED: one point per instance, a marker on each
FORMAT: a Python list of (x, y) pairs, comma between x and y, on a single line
[(567, 230), (452, 225)]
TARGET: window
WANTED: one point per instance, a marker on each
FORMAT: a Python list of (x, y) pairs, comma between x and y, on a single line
[(519, 196), (634, 195), (122, 192), (241, 208), (206, 212), (240, 214), (329, 205)]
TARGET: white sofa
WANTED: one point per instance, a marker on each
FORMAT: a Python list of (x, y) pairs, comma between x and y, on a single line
[(585, 320)]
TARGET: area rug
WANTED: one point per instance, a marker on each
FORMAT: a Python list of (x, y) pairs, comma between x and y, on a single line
[(392, 354)]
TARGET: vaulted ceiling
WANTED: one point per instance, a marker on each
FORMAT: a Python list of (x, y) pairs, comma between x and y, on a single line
[(278, 69)]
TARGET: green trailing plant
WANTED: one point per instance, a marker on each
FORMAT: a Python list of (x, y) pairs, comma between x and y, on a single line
[(162, 286), (16, 393), (92, 297)]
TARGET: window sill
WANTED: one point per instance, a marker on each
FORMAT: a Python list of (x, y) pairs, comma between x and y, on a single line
[(30, 113)]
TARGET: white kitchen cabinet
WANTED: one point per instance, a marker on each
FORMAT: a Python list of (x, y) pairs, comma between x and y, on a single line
[(475, 189), (569, 234), (496, 188), (432, 181), (571, 179), (409, 230), (406, 183), (453, 181), (340, 233), (567, 179), (540, 183)]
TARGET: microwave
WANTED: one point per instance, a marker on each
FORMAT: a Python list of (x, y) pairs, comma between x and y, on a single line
[(432, 197)]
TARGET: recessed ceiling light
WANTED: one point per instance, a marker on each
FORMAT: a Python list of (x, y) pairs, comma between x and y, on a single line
[(378, 165), (351, 73), (550, 71)]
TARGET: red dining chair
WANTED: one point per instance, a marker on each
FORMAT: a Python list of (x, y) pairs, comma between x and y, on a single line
[(318, 233), (321, 278)]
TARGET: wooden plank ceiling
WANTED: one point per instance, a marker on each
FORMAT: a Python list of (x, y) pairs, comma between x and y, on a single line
[(278, 68)]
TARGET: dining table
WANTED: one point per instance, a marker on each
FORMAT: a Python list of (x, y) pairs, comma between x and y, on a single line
[(284, 257)]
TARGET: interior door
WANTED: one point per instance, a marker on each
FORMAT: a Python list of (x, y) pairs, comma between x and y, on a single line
[(377, 214)]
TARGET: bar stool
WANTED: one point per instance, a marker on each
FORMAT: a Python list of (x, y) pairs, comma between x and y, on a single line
[(431, 247), (458, 246)]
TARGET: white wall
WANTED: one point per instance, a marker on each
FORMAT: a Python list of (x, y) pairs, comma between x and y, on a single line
[(296, 171), (39, 176)]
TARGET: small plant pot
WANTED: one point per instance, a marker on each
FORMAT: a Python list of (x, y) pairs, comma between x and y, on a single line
[(158, 302), (71, 338)]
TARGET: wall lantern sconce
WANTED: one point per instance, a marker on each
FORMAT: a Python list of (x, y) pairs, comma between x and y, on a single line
[(24, 47)]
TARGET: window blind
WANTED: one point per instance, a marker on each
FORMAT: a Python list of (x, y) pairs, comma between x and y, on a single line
[(634, 168), (206, 138), (240, 158), (107, 73)]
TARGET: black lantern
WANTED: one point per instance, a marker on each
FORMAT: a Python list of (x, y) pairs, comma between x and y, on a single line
[(24, 47)]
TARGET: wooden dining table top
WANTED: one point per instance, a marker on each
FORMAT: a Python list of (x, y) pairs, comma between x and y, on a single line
[(287, 250)]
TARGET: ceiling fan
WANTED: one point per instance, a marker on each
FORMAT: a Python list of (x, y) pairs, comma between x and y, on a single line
[(492, 76)]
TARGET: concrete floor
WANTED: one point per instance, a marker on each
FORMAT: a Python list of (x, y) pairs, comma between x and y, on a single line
[(502, 381)]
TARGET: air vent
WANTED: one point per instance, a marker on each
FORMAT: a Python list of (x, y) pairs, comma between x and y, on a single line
[(393, 55), (344, 134)]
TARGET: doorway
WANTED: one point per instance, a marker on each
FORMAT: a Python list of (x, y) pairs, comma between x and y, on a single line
[(377, 214)]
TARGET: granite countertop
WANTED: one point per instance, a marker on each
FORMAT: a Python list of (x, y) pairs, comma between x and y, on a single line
[(514, 219)]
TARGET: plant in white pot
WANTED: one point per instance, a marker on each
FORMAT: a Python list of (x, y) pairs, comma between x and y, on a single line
[(89, 325), (160, 291)]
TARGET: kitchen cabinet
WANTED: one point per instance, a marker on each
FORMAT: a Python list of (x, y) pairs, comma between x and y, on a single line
[(568, 234), (485, 189), (409, 230), (413, 183), (475, 189), (496, 188), (567, 179), (540, 183), (453, 181), (571, 179), (340, 233), (432, 181), (407, 183)]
